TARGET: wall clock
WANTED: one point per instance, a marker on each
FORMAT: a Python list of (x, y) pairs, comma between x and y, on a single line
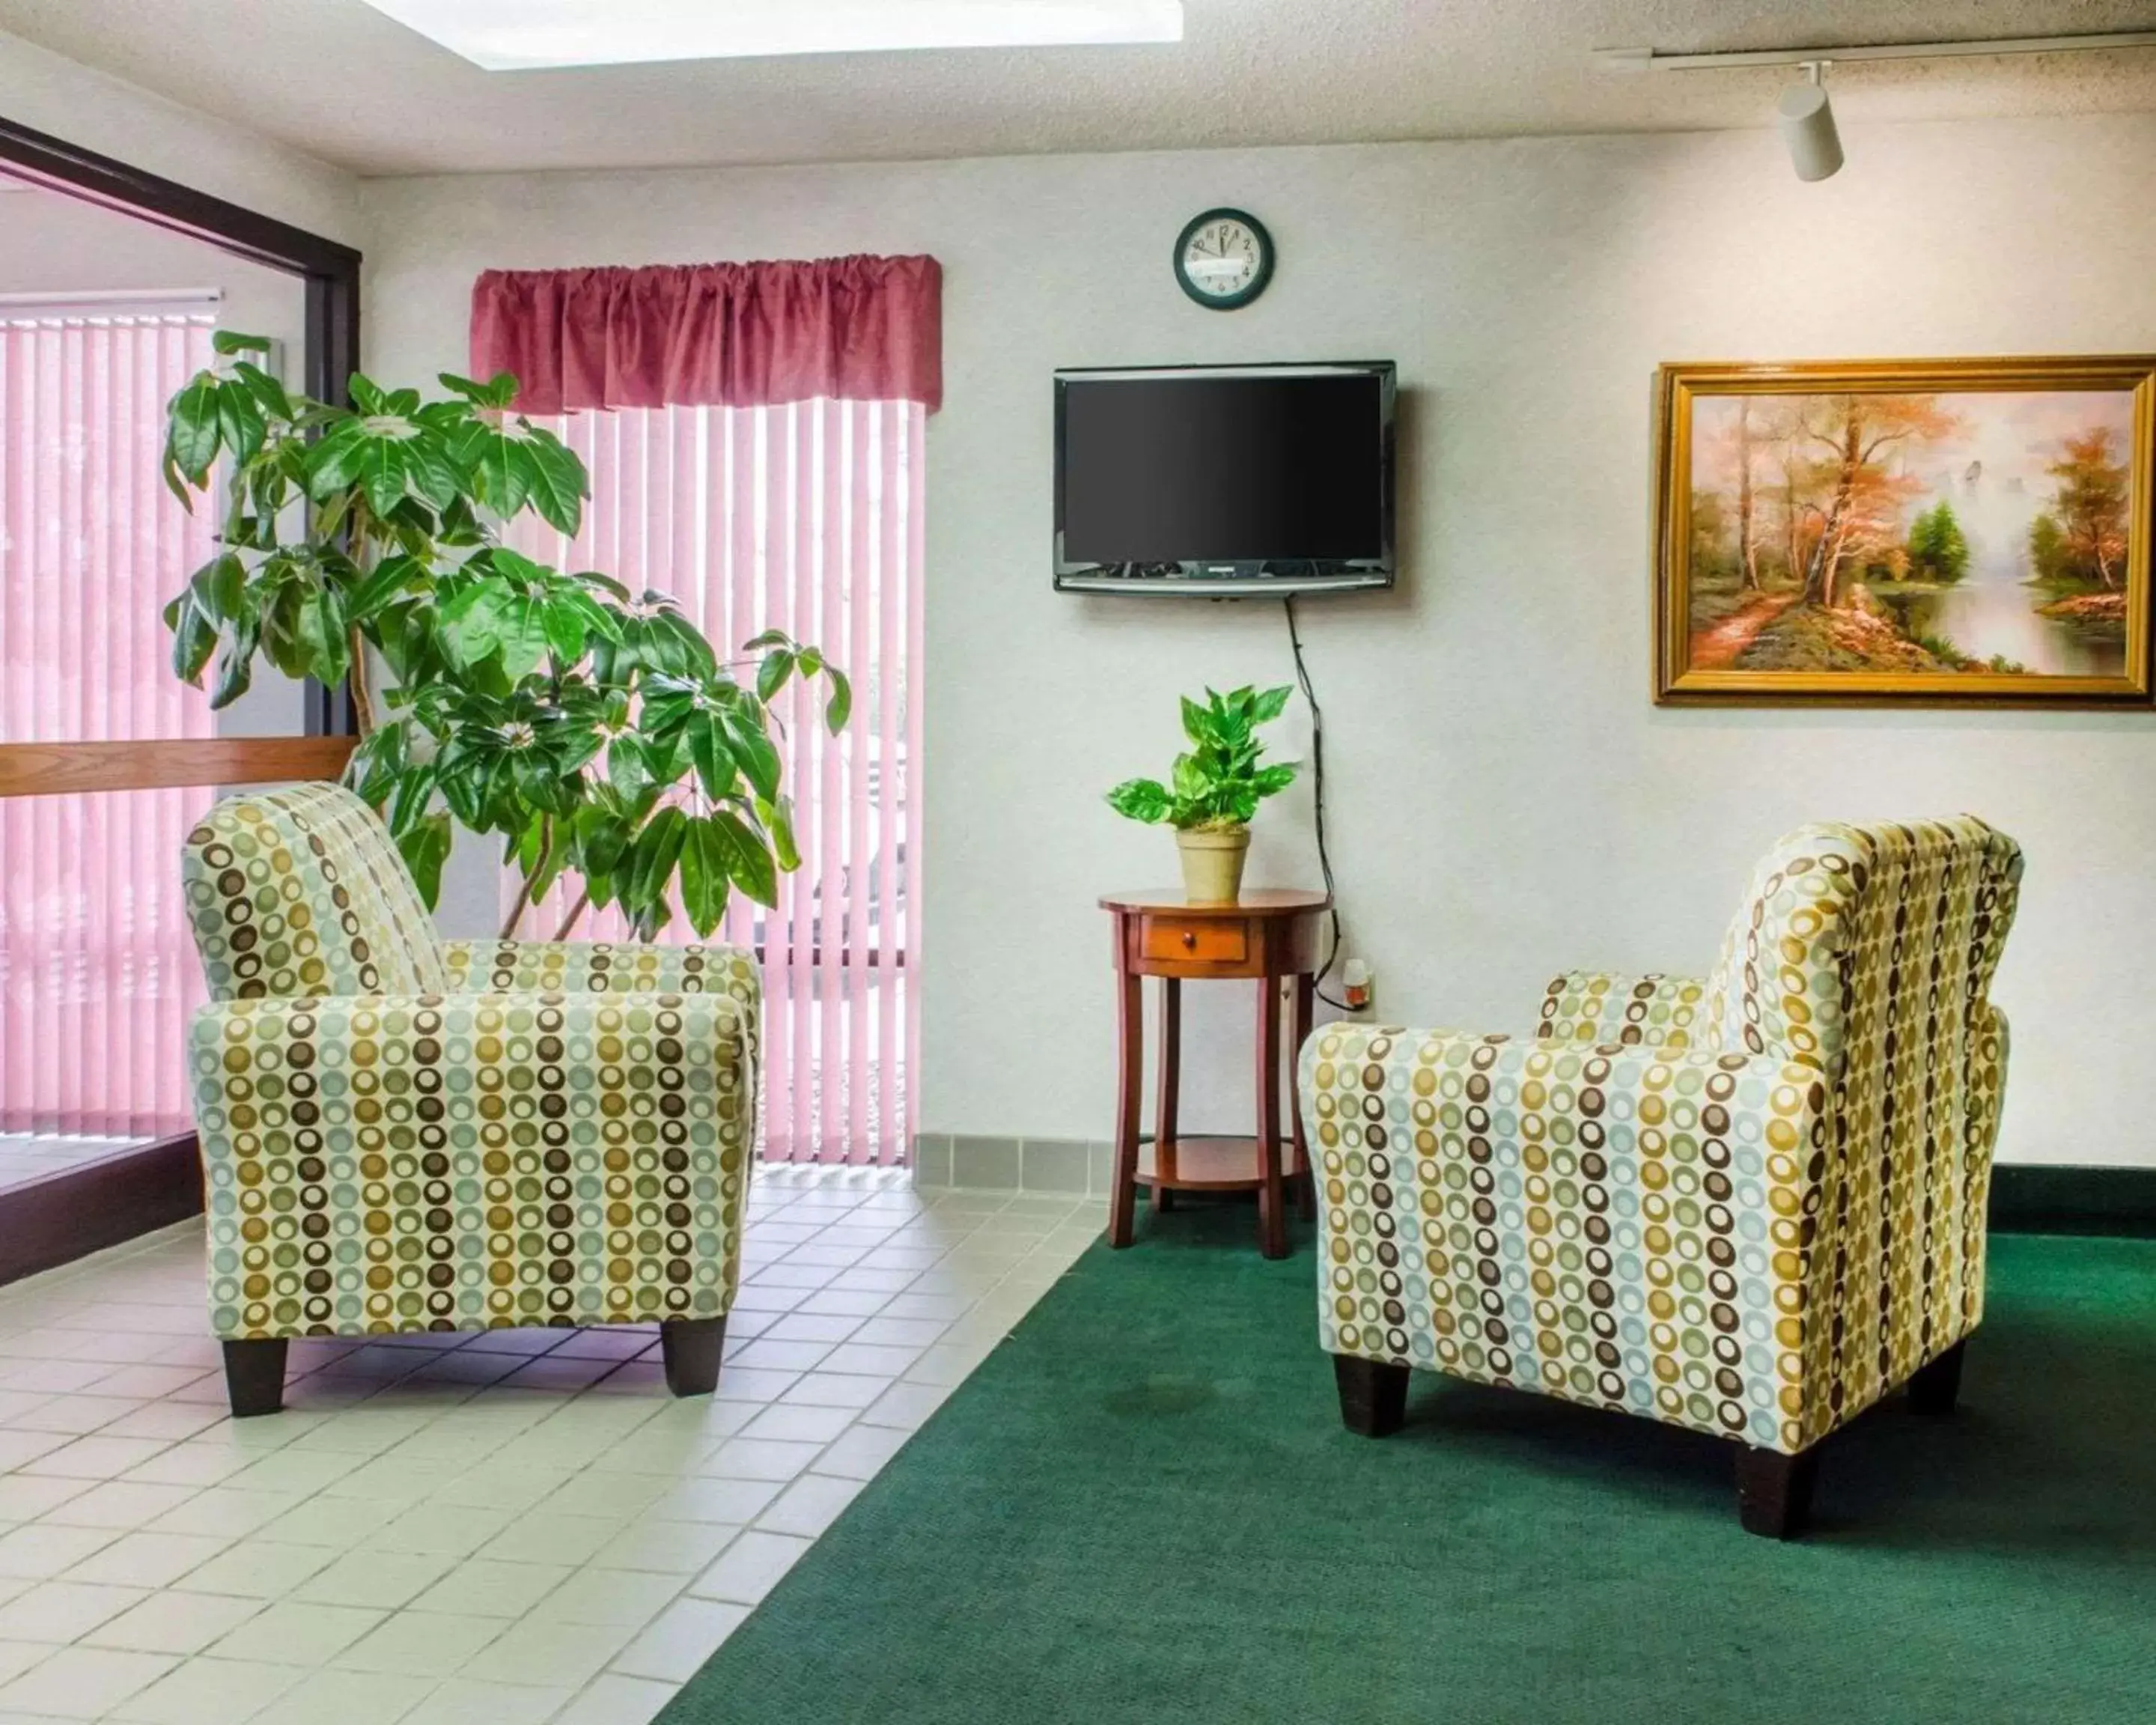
[(1224, 259)]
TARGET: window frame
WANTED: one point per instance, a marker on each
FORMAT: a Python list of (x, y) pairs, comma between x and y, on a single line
[(101, 1203), (330, 271)]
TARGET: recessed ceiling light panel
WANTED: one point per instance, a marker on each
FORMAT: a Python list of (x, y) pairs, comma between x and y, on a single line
[(521, 35)]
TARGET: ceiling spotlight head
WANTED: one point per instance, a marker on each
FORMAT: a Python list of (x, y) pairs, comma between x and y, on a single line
[(1806, 118)]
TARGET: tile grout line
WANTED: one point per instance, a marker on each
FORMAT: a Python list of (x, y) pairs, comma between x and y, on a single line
[(392, 1414)]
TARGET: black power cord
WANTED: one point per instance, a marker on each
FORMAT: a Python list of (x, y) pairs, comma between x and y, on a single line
[(1318, 801)]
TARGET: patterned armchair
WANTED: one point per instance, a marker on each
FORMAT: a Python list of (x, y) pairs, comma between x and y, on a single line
[(1752, 1205), (403, 1134)]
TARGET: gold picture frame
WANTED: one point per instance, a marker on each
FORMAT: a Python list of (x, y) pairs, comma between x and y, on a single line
[(1924, 531)]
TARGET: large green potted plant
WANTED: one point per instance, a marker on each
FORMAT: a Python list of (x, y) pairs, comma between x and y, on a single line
[(1214, 792), (589, 729)]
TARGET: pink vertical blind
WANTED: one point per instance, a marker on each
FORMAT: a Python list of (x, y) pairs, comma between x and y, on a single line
[(804, 516), (97, 970)]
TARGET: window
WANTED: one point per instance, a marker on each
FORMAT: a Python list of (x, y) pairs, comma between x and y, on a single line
[(805, 517), (97, 966)]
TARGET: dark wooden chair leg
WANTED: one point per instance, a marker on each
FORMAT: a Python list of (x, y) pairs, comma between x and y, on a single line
[(1374, 1395), (691, 1346), (254, 1376), (1934, 1388), (1774, 1491)]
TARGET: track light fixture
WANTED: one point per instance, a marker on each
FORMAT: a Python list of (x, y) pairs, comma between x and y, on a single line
[(1803, 112), (1806, 118)]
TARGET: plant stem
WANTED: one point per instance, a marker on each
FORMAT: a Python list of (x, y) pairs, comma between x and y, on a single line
[(357, 678), (582, 904), (362, 695), (538, 868)]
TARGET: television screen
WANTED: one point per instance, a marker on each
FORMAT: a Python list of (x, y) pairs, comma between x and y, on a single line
[(1251, 473)]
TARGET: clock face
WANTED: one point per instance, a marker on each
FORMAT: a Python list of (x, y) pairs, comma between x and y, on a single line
[(1224, 259)]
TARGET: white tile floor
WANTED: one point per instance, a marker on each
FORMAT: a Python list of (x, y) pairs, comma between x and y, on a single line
[(511, 1527)]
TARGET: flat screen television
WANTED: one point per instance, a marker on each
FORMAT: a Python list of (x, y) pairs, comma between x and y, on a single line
[(1226, 482)]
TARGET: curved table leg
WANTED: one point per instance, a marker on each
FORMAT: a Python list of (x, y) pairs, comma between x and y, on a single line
[(1306, 1183), (1272, 1220), (1130, 1028), (1171, 1081)]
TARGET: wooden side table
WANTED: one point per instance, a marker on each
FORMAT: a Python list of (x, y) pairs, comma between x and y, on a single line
[(1267, 936)]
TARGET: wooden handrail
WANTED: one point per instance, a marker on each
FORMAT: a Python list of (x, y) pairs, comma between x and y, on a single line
[(52, 769)]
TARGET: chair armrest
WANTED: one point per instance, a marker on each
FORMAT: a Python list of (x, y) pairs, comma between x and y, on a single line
[(1988, 1050), (400, 1163), (1653, 1011), (596, 967), (1630, 1227)]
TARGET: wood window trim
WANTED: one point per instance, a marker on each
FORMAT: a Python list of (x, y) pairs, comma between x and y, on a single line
[(52, 769)]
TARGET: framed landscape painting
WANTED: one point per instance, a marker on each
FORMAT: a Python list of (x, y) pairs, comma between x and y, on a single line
[(1905, 531)]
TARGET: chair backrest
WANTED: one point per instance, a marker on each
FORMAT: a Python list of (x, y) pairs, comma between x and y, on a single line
[(302, 891), (1868, 951)]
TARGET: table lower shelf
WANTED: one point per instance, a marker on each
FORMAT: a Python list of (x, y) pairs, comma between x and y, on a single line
[(1211, 1164)]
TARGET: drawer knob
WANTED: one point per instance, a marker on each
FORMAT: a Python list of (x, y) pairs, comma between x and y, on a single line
[(1189, 936)]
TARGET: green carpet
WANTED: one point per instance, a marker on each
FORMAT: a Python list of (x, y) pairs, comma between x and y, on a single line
[(1143, 1507)]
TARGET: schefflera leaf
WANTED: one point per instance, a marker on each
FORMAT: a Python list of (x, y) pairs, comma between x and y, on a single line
[(599, 736)]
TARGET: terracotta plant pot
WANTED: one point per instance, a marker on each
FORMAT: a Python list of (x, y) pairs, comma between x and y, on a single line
[(1213, 863)]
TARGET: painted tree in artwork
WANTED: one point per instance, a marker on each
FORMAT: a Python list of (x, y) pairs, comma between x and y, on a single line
[(2047, 549), (1871, 537), (1748, 538), (1851, 440), (1709, 530), (2082, 536), (1735, 532), (1937, 549)]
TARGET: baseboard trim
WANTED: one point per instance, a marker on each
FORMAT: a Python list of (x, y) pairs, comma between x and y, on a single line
[(2033, 1198), (2026, 1197), (1061, 1168), (68, 1215)]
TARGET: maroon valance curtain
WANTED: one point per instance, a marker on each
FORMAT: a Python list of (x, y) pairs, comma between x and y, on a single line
[(715, 335)]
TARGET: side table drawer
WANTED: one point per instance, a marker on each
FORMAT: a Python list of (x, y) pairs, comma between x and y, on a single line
[(1203, 940)]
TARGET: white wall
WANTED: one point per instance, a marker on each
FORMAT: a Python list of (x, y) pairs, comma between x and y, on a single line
[(51, 243), (1507, 801), (56, 95)]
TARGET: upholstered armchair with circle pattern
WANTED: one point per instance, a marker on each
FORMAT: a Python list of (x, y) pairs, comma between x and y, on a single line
[(1752, 1204), (403, 1134)]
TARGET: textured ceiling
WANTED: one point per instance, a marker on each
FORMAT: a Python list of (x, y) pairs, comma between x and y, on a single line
[(337, 79)]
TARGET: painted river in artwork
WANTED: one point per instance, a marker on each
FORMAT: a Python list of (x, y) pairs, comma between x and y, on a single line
[(1992, 610)]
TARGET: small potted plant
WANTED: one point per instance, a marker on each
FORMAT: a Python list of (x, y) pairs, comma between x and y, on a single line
[(1215, 789)]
